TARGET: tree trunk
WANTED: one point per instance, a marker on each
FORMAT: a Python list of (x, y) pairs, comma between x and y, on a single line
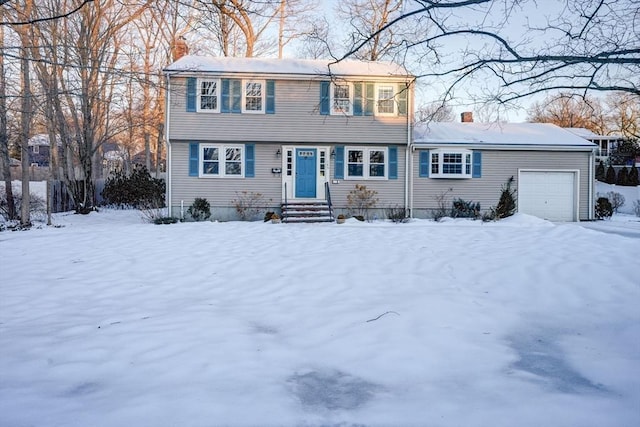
[(5, 162)]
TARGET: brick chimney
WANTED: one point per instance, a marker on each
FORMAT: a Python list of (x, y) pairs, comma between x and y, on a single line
[(180, 48), (466, 117)]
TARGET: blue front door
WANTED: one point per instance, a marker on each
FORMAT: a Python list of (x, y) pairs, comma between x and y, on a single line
[(306, 172)]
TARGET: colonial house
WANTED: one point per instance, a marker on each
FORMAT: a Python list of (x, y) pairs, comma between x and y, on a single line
[(292, 133), (298, 136)]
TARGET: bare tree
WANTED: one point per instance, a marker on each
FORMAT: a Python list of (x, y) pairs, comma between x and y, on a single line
[(5, 164), (588, 45), (434, 112), (570, 111), (623, 114), (250, 18), (368, 22)]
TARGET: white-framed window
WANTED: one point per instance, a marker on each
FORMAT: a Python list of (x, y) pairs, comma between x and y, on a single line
[(36, 149), (450, 163), (221, 160), (208, 95), (366, 163), (385, 99), (342, 98), (253, 96)]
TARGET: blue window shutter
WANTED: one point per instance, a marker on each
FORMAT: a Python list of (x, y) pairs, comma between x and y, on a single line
[(357, 99), (370, 99), (424, 164), (193, 159), (236, 96), (393, 162), (339, 173), (224, 103), (477, 165), (192, 94), (249, 160), (271, 97), (324, 98), (402, 99)]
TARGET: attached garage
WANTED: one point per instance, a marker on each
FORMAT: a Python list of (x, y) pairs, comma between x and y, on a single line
[(551, 195), (552, 170)]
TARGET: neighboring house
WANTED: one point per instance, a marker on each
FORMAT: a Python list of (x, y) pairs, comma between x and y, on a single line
[(553, 169), (39, 150), (113, 158), (605, 143), (289, 129)]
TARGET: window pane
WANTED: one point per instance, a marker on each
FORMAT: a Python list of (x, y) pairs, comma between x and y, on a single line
[(233, 164), (355, 156), (376, 156), (452, 163), (341, 98), (209, 95), (233, 168), (210, 153), (208, 88), (435, 165), (254, 89), (376, 170), (253, 96), (355, 170), (233, 154), (210, 168), (385, 99), (341, 91)]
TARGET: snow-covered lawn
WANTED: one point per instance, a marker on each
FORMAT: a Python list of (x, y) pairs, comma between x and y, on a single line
[(109, 321)]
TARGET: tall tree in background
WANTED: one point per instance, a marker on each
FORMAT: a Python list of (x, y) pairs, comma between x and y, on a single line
[(570, 111), (623, 114), (26, 109), (369, 27), (250, 18), (5, 163)]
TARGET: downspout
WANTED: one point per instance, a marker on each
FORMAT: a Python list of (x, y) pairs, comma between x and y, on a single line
[(592, 161), (408, 193), (168, 142)]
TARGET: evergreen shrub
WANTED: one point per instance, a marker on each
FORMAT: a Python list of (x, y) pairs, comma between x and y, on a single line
[(138, 189), (604, 210), (200, 209)]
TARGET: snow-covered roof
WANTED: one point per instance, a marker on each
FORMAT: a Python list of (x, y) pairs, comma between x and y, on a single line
[(497, 135), (286, 66), (591, 136), (42, 139)]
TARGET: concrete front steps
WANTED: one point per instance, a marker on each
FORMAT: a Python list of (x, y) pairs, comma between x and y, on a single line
[(295, 212)]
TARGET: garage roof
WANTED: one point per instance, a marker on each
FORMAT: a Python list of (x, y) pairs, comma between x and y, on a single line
[(499, 136)]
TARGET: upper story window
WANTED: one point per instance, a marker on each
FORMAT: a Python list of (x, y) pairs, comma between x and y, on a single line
[(366, 163), (342, 98), (385, 99), (36, 149), (253, 96), (451, 164), (359, 98), (209, 95), (221, 160)]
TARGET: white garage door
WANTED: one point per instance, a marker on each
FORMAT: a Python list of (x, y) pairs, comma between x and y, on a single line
[(548, 194)]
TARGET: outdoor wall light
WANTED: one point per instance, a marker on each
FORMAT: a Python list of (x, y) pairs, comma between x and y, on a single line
[(333, 153), (278, 153)]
